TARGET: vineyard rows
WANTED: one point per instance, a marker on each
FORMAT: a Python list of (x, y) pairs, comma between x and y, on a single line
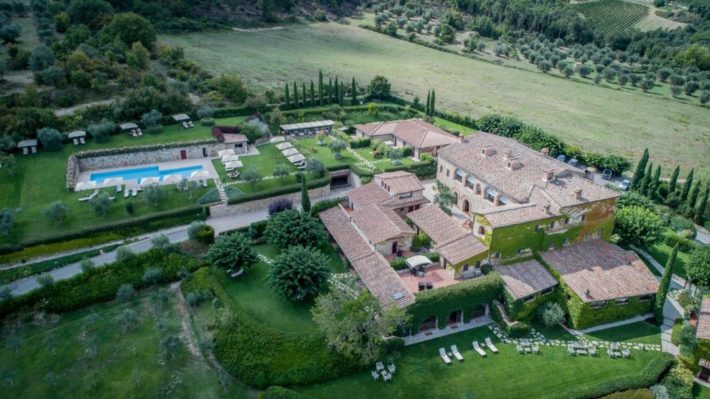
[(613, 16)]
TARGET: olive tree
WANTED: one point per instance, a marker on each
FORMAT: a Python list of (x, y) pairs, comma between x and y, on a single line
[(299, 274), (232, 251)]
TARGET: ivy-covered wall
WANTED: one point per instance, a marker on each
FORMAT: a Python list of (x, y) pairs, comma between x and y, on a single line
[(521, 310), (471, 262), (582, 315), (463, 296)]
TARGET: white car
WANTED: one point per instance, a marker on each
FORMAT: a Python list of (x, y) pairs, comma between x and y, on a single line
[(624, 185)]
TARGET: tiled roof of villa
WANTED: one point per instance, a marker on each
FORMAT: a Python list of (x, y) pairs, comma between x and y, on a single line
[(415, 132), (461, 249), (400, 182), (703, 331), (436, 224), (373, 269), (531, 171), (525, 278), (508, 215), (379, 224), (598, 271), (370, 193)]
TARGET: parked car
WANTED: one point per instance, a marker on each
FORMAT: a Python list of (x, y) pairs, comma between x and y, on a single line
[(624, 185), (561, 157), (573, 162), (607, 174)]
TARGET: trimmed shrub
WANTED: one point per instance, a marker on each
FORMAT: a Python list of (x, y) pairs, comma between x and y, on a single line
[(291, 227), (398, 263), (201, 232), (279, 205), (207, 122), (210, 197), (321, 206), (433, 256)]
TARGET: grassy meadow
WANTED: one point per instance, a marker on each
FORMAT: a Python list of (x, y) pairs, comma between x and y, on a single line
[(596, 118)]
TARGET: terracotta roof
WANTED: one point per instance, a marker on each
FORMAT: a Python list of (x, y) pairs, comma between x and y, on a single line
[(383, 281), (525, 278), (508, 215), (399, 182), (373, 269), (598, 271), (234, 138), (379, 224), (415, 132), (367, 194), (436, 224), (703, 331), (461, 249), (396, 202), (337, 222), (518, 183)]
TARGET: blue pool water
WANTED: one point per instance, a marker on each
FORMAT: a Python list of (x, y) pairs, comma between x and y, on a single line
[(144, 171)]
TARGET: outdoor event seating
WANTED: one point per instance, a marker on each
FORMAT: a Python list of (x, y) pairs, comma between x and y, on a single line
[(444, 356), (478, 349), (456, 353), (490, 345)]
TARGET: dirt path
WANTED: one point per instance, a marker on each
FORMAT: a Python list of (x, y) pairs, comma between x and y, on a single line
[(187, 334), (258, 29)]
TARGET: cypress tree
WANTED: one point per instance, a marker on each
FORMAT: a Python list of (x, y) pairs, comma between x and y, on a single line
[(336, 89), (674, 180), (428, 101), (287, 98), (432, 106), (702, 205), (320, 87), (693, 197), (342, 93), (353, 92), (313, 94), (640, 168), (305, 200), (305, 96), (655, 181), (686, 186), (295, 95), (643, 188), (665, 285), (330, 90)]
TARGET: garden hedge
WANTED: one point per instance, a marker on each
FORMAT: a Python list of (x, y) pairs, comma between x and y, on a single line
[(463, 296), (515, 329), (273, 192), (646, 377), (125, 228), (261, 356), (99, 284), (277, 392)]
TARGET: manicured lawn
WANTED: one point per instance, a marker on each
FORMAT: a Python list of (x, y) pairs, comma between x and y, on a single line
[(420, 372), (55, 359), (310, 148), (700, 392), (251, 293), (640, 332), (453, 127), (269, 156), (596, 118), (40, 179), (661, 252)]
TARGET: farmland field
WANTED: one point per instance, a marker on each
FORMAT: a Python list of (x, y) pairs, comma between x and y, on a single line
[(596, 118), (613, 16)]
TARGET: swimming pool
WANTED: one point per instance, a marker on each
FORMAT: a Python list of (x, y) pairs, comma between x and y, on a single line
[(143, 172)]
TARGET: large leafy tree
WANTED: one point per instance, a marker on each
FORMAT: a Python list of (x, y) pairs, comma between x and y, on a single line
[(299, 274), (232, 87), (637, 225), (129, 28), (379, 88), (291, 227), (92, 13), (232, 251), (50, 138), (355, 324), (698, 267)]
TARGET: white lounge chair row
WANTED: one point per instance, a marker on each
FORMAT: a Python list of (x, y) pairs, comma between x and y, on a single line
[(130, 192), (457, 354), (187, 124), (136, 132), (89, 197)]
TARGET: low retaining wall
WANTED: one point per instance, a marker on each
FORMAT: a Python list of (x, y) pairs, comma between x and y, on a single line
[(260, 204)]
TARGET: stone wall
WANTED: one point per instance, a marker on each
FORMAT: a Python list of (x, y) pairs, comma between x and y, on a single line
[(261, 204), (148, 156)]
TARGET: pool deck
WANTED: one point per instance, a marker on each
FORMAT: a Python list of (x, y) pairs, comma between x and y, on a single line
[(205, 162)]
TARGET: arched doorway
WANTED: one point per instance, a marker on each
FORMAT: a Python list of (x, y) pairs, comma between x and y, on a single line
[(455, 198), (466, 205), (455, 317), (428, 324)]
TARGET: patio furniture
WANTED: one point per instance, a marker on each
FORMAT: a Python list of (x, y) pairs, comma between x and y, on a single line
[(478, 349), (190, 123), (570, 350), (429, 285), (444, 356), (386, 376), (592, 350), (626, 353), (185, 125), (422, 286), (528, 349), (519, 349), (490, 345), (379, 366), (535, 349), (456, 353), (391, 368), (375, 375)]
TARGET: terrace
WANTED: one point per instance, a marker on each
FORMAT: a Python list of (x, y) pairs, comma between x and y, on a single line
[(435, 275)]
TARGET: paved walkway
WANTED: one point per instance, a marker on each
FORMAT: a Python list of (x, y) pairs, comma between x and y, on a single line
[(142, 244), (448, 330), (619, 323)]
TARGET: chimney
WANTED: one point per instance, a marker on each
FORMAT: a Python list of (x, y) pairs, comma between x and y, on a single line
[(487, 151), (546, 209), (578, 193), (549, 175), (514, 164), (508, 154), (545, 151)]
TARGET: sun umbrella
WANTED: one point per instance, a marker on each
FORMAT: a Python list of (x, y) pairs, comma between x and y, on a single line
[(172, 179), (228, 151), (85, 185), (283, 146), (147, 181), (199, 175), (290, 151), (113, 182), (233, 165), (230, 158)]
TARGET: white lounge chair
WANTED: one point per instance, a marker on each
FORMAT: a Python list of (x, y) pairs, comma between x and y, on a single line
[(490, 345), (478, 349), (190, 124), (135, 192), (379, 366), (626, 353), (386, 376), (392, 368), (519, 349), (126, 193), (535, 349), (375, 375), (444, 356), (456, 353)]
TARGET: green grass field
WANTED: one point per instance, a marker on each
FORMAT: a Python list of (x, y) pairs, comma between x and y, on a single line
[(88, 353), (640, 332), (596, 118), (421, 373), (661, 251)]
